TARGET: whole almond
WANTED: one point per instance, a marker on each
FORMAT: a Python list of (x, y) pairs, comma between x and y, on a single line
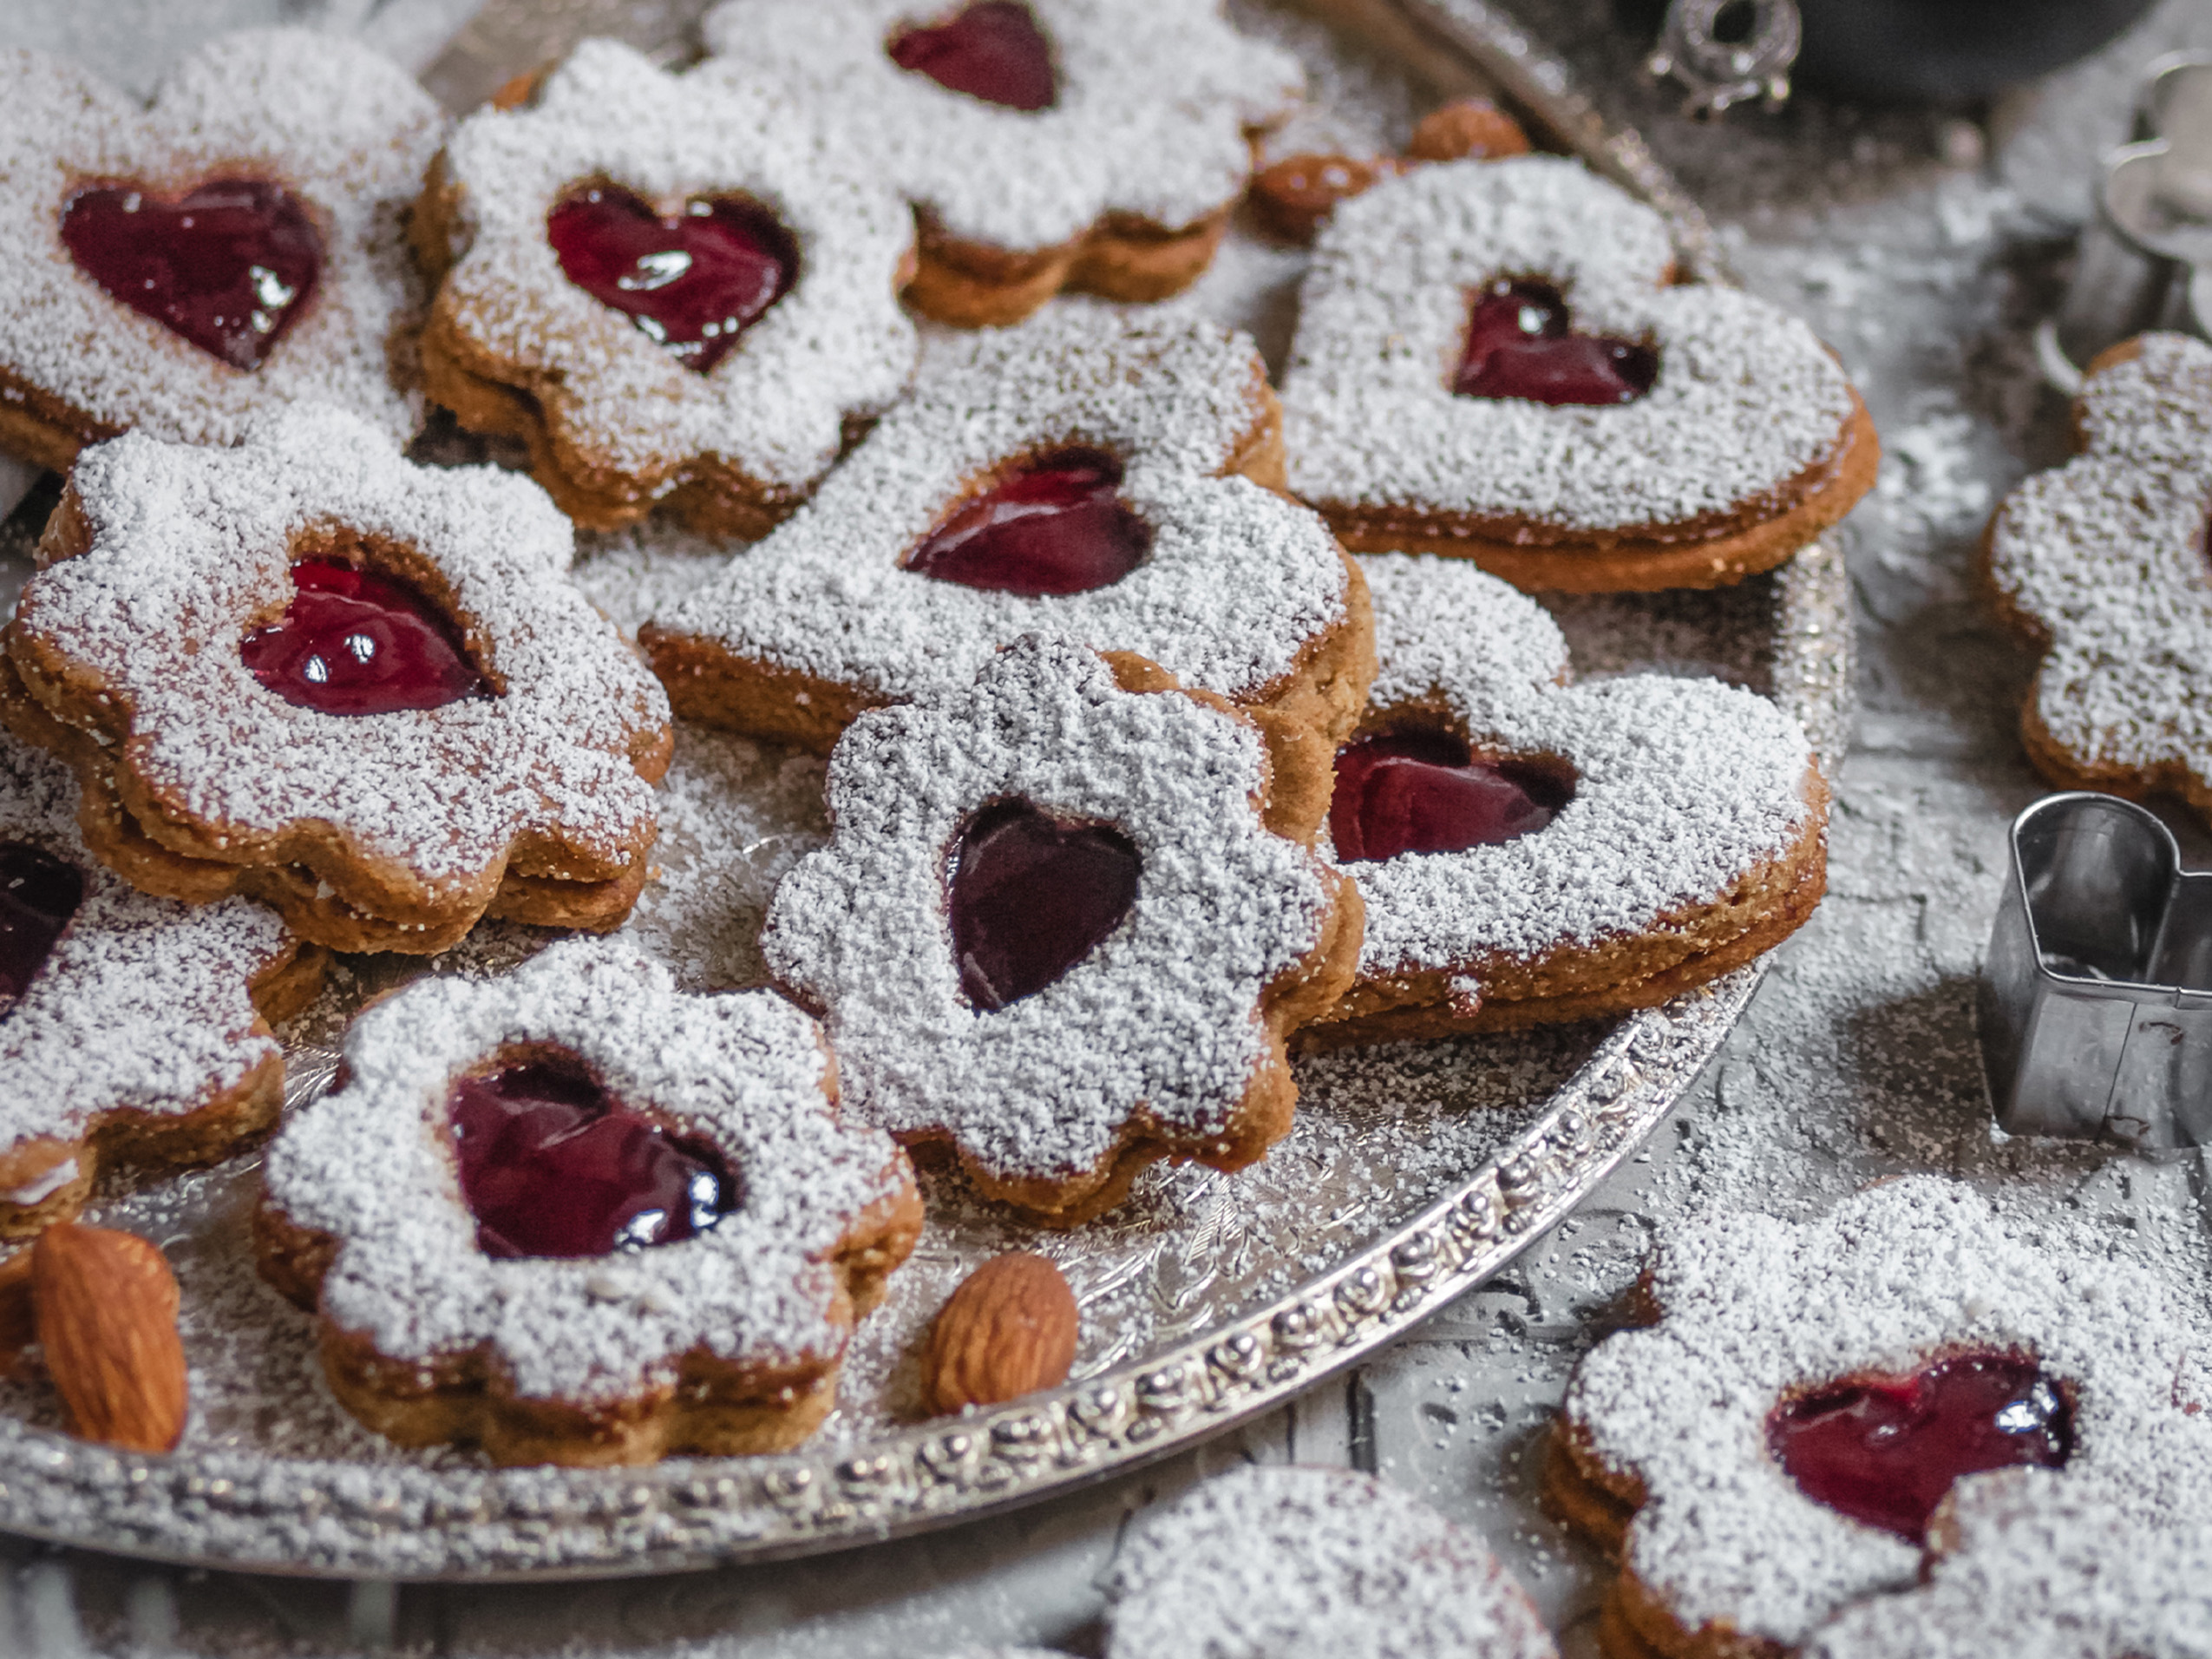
[(1472, 126), (1009, 1330), (106, 1308), (1296, 194), (19, 1322)]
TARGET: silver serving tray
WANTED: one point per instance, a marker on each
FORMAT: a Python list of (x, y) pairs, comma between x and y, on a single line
[(1416, 1172)]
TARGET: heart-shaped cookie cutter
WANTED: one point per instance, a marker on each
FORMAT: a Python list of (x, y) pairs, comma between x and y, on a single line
[(2095, 997)]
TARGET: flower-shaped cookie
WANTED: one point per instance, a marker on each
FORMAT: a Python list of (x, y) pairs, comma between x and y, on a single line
[(1771, 1449), (237, 248), (2101, 563), (1089, 474), (1062, 925), (673, 288), (1532, 851), (1271, 1562), (1490, 364), (306, 670), (1047, 144), (132, 1029), (575, 1216)]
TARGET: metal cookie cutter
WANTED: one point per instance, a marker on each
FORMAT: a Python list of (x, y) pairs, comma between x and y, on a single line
[(2096, 1001)]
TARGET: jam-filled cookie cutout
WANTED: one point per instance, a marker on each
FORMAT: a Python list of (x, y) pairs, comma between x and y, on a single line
[(235, 247), (1093, 473), (1491, 363), (133, 1030), (1063, 925), (1482, 789), (669, 287), (1777, 1441), (1045, 144), (305, 670), (2100, 564), (575, 1216)]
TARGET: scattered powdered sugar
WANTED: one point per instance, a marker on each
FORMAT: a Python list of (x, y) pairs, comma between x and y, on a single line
[(835, 346), (1747, 398), (1311, 1561), (1162, 1014), (2106, 554), (192, 548), (371, 1165), (1898, 1274), (645, 570), (1358, 102), (332, 122), (1236, 583), (143, 1005), (1155, 98), (1682, 786)]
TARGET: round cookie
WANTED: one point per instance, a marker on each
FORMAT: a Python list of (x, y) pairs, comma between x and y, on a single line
[(1490, 364), (747, 275), (403, 1208), (1045, 144)]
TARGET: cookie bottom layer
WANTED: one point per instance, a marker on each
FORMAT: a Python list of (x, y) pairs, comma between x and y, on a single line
[(972, 285)]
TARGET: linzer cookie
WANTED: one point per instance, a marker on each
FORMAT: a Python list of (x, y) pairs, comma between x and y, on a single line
[(235, 248), (2101, 563), (1050, 144), (1490, 364), (133, 1030), (574, 1216), (1482, 790), (1090, 475), (1064, 921), (1773, 1447), (305, 670), (675, 289)]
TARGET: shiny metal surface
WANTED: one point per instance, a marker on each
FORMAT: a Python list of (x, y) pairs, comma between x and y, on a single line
[(1714, 73)]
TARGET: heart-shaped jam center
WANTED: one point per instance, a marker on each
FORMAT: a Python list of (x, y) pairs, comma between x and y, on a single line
[(1031, 896), (1885, 1451), (1056, 526), (553, 1164), (992, 50), (1519, 345), (353, 641), (38, 894), (228, 264), (693, 282), (1424, 792)]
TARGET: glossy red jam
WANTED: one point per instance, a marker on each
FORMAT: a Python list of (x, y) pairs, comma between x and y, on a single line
[(229, 265), (992, 50), (1031, 895), (1519, 345), (553, 1164), (693, 283), (355, 642), (1056, 526), (1885, 1453), (1424, 792), (38, 894)]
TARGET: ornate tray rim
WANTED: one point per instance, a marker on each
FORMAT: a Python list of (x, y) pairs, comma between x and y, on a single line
[(341, 1519)]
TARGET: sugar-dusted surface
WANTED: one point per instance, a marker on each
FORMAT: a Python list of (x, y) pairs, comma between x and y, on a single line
[(1154, 100), (1682, 786), (192, 548), (1236, 583), (1747, 398), (835, 347), (344, 128)]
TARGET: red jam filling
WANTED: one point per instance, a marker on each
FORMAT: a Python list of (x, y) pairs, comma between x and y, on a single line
[(1424, 792), (553, 1164), (227, 266), (992, 50), (355, 642), (1885, 1453), (1054, 528), (1519, 345), (693, 283), (1031, 895), (38, 894)]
